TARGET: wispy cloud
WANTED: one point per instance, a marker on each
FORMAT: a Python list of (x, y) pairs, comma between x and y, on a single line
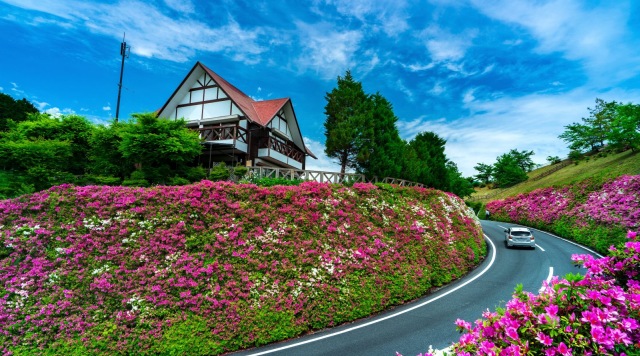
[(444, 46), (596, 34), (327, 51), (184, 6), (390, 15), (495, 126), (151, 32)]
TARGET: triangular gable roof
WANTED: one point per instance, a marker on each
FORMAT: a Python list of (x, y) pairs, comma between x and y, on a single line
[(266, 110), (260, 112)]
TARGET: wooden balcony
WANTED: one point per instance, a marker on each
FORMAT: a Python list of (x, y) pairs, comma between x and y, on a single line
[(231, 135), (279, 149)]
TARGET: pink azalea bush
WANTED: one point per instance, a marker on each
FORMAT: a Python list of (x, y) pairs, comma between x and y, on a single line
[(594, 215), (215, 267), (594, 314)]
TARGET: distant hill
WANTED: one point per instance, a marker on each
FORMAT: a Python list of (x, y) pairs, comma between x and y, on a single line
[(599, 167)]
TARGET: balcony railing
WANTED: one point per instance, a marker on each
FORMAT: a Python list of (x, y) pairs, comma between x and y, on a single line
[(224, 132), (278, 145)]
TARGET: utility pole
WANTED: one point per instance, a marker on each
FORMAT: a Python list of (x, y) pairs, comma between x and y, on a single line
[(124, 52)]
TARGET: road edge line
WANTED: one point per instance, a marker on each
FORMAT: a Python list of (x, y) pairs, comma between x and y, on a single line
[(393, 315)]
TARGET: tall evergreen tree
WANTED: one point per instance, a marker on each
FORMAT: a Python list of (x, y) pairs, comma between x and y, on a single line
[(429, 149), (382, 146), (346, 112)]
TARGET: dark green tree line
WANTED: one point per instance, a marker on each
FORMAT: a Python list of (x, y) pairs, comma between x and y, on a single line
[(361, 134)]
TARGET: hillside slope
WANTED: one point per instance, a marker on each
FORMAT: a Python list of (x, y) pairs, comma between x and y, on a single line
[(595, 167), (215, 267)]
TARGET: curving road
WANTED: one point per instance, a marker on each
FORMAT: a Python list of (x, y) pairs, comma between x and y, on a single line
[(411, 328)]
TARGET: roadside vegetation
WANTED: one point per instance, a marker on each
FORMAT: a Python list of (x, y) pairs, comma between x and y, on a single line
[(217, 266)]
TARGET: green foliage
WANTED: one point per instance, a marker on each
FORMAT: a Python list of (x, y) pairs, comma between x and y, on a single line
[(105, 157), (346, 111), (554, 159), (625, 128), (137, 179), (14, 110), (508, 171), (191, 336), (429, 150), (485, 172), (220, 172), (240, 171), (617, 124), (179, 181), (575, 156), (90, 179), (270, 182), (381, 142), (196, 174), (23, 154), (43, 178), (162, 148), (458, 185)]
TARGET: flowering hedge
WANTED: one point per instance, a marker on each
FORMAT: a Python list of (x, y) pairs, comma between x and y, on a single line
[(215, 267), (592, 214), (595, 314)]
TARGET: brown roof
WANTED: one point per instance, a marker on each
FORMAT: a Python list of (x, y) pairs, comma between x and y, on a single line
[(260, 112)]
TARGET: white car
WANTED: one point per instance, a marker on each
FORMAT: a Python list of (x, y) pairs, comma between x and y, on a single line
[(519, 236)]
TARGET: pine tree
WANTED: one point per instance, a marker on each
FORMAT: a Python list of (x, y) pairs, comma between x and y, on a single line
[(346, 112)]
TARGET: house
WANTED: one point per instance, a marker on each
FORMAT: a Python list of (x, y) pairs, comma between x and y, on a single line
[(234, 127)]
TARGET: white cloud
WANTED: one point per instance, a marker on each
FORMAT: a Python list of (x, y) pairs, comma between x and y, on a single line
[(437, 89), (390, 15), (57, 112), (325, 50), (323, 163), (16, 89), (468, 96), (403, 88), (1, 89), (493, 127), (444, 46), (106, 108), (151, 32), (597, 35), (185, 6), (419, 67), (40, 104)]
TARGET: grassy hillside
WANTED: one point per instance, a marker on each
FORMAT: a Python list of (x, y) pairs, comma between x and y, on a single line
[(595, 167), (215, 267)]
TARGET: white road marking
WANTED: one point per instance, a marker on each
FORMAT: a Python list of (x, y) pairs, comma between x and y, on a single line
[(541, 249), (571, 242), (493, 258), (548, 279)]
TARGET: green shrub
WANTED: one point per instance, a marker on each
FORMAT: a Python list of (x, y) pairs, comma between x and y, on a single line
[(196, 174), (220, 172), (90, 179), (575, 156), (137, 179), (240, 171), (270, 182), (179, 181)]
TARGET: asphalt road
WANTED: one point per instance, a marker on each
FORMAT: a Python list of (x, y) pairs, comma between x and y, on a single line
[(411, 328)]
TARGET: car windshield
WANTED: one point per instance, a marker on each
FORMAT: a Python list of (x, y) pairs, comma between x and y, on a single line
[(520, 233)]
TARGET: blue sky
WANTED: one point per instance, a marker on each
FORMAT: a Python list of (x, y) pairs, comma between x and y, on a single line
[(488, 76)]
